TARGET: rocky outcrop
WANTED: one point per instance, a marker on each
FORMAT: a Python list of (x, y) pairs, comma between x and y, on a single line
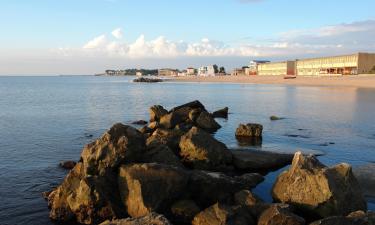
[(156, 112), (273, 118), (221, 113), (150, 219), (170, 120), (249, 130), (121, 144), (317, 189), (200, 150), (170, 138), (260, 161), (139, 122), (354, 218), (161, 154), (184, 211), (146, 188), (193, 105), (147, 80), (246, 198), (207, 122), (279, 215), (68, 165)]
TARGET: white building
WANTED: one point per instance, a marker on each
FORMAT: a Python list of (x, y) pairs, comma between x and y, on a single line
[(190, 71), (206, 71)]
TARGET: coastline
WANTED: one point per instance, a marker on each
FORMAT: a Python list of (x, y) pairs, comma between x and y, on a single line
[(358, 81)]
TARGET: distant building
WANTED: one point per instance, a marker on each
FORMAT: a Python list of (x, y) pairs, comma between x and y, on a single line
[(253, 67), (167, 72), (206, 71), (182, 73), (276, 68), (359, 63), (238, 72), (138, 73), (191, 71)]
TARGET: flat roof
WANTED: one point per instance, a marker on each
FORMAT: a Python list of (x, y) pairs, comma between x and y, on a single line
[(335, 56)]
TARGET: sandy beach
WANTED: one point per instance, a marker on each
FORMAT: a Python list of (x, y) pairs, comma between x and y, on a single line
[(359, 81)]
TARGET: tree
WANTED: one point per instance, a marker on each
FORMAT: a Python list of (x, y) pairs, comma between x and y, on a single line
[(216, 68), (222, 70)]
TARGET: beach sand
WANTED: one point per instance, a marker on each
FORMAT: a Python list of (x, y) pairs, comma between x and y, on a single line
[(359, 81)]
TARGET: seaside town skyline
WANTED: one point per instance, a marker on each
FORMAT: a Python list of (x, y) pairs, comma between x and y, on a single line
[(86, 37)]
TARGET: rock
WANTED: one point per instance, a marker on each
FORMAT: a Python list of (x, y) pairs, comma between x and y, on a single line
[(355, 218), (68, 165), (156, 112), (184, 211), (277, 215), (151, 187), (249, 130), (365, 175), (154, 125), (222, 113), (219, 214), (161, 154), (184, 127), (193, 114), (207, 188), (140, 122), (193, 105), (146, 130), (317, 189), (147, 80), (171, 138), (46, 194), (246, 198), (87, 199), (200, 150), (170, 120), (119, 145), (150, 219), (252, 160), (249, 141), (207, 122), (273, 118)]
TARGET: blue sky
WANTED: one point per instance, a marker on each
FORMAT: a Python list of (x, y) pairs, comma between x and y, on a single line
[(37, 34)]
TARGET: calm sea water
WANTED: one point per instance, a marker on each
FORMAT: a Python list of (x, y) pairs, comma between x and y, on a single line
[(44, 120)]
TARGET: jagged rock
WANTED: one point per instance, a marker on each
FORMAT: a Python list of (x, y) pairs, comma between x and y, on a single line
[(68, 165), (170, 120), (219, 214), (251, 160), (150, 219), (193, 105), (140, 122), (151, 187), (161, 154), (185, 210), (207, 122), (246, 198), (200, 150), (184, 127), (87, 199), (206, 188), (160, 136), (355, 218), (118, 145), (278, 215), (193, 114), (222, 113), (153, 125), (317, 189), (156, 112), (249, 130), (365, 175)]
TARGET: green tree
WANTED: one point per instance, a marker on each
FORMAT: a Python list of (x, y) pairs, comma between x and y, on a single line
[(216, 68), (222, 70)]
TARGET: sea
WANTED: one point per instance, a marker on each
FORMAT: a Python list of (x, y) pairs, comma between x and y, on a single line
[(45, 120)]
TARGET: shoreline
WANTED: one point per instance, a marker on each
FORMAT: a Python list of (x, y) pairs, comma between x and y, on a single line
[(358, 81)]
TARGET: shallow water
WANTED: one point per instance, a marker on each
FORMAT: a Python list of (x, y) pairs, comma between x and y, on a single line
[(44, 120)]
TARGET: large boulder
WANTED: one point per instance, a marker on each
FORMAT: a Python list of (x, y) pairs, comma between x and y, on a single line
[(160, 136), (206, 188), (200, 150), (150, 219), (156, 112), (249, 130), (85, 199), (184, 211), (161, 154), (170, 120), (246, 198), (317, 189), (279, 215), (260, 161), (354, 218), (121, 144), (221, 113), (146, 188), (207, 122), (365, 175), (193, 105)]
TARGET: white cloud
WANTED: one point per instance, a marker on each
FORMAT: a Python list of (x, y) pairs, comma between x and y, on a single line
[(96, 43), (117, 33)]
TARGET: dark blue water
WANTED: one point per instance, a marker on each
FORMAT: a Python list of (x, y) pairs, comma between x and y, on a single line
[(44, 120)]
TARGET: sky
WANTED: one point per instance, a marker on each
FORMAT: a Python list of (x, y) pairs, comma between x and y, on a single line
[(51, 37)]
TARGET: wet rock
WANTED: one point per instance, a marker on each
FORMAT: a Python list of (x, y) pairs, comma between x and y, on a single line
[(366, 177), (184, 210), (193, 105), (249, 141), (140, 122), (246, 198), (221, 113), (200, 150), (87, 199), (156, 112), (160, 136), (251, 160), (317, 189), (150, 219), (273, 118), (151, 187), (207, 122), (161, 154), (147, 80), (207, 188), (68, 165), (354, 218), (119, 145), (278, 215), (219, 214), (170, 120), (249, 130)]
